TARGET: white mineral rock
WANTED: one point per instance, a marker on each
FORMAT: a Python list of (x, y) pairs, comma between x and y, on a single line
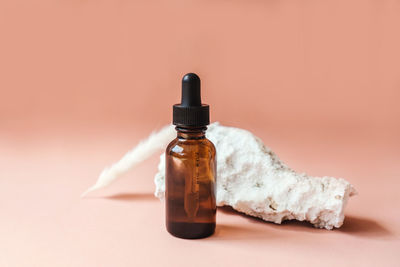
[(251, 179)]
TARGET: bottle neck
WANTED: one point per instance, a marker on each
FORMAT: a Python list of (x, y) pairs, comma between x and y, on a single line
[(191, 133)]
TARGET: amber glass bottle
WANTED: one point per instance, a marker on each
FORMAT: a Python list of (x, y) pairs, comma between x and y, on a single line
[(190, 168)]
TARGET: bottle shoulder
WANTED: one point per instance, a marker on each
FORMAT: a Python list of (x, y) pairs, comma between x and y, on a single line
[(184, 147)]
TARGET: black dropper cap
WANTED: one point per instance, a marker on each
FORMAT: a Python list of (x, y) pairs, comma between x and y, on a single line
[(191, 112)]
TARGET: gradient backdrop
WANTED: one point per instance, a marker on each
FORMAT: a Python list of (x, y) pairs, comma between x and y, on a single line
[(82, 81)]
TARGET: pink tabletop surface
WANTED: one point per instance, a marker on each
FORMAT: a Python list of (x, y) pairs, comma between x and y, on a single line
[(45, 223), (81, 82)]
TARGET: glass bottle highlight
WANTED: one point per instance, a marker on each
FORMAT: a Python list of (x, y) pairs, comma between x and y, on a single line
[(190, 170)]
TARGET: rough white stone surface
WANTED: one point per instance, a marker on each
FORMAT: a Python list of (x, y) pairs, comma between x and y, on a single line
[(251, 179)]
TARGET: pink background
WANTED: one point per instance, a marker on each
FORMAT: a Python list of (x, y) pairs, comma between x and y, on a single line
[(81, 82)]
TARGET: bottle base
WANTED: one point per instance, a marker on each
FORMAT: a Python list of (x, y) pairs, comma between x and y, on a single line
[(190, 230)]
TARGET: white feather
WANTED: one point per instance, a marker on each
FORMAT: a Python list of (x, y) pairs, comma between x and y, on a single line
[(155, 142)]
